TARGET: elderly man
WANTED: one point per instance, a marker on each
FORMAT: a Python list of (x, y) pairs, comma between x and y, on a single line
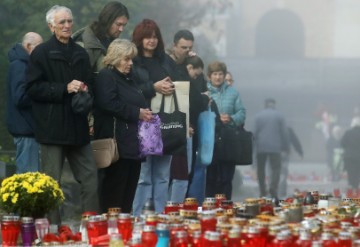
[(59, 69), (19, 120)]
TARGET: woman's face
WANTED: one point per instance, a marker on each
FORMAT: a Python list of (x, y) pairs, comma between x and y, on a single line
[(217, 78), (150, 44), (125, 65)]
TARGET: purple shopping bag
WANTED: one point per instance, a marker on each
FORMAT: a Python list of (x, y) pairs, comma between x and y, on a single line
[(150, 141)]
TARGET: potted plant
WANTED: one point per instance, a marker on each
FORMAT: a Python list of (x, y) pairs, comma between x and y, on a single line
[(30, 194)]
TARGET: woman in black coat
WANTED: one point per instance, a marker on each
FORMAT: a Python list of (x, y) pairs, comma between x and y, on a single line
[(119, 101)]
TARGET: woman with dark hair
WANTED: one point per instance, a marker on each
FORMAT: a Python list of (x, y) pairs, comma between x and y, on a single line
[(154, 72), (119, 102)]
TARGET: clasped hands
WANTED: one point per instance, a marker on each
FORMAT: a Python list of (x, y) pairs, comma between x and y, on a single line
[(76, 86), (165, 86)]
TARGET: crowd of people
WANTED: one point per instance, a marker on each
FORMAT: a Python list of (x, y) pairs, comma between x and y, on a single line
[(122, 77)]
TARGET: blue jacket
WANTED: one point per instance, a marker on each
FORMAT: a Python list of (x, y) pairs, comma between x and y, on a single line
[(19, 119), (228, 101)]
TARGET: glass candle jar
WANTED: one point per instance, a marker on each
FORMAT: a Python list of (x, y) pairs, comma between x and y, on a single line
[(97, 226), (219, 198), (171, 207), (10, 229), (124, 225), (28, 233), (162, 232), (208, 221), (148, 236), (191, 203), (42, 227)]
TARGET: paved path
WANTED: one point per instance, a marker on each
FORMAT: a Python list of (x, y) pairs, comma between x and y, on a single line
[(302, 176)]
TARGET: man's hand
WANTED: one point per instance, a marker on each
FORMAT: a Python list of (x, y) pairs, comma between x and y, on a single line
[(76, 86)]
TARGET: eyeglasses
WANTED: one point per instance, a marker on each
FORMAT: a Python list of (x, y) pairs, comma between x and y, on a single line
[(62, 22)]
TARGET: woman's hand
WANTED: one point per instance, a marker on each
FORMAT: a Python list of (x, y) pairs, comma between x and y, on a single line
[(165, 86), (225, 118), (191, 131), (145, 114)]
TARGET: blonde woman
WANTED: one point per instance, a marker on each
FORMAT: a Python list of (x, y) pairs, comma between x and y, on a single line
[(117, 96)]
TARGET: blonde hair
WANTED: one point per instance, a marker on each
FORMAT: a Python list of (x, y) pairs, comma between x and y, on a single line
[(118, 50)]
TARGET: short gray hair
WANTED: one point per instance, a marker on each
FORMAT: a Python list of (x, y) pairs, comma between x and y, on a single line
[(50, 15), (31, 38), (118, 50)]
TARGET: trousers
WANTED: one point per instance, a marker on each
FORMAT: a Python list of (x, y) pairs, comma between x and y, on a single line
[(83, 167), (275, 165), (153, 183)]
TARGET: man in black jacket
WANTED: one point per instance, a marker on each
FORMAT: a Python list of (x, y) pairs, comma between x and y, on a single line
[(59, 71)]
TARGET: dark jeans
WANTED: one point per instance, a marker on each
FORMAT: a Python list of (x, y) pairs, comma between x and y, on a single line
[(119, 185), (275, 165)]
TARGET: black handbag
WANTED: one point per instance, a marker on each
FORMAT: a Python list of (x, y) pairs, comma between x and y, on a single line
[(173, 129), (235, 145)]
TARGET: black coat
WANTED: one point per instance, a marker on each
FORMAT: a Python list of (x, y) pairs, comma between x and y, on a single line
[(142, 77), (50, 70), (116, 95), (351, 144)]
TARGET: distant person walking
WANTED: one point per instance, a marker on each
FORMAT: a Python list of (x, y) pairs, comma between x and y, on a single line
[(294, 143), (351, 145), (19, 120), (271, 140)]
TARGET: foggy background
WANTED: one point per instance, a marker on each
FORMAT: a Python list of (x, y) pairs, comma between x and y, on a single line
[(304, 54)]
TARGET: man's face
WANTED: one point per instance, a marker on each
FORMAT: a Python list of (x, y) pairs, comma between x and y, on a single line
[(62, 27), (117, 27), (182, 49)]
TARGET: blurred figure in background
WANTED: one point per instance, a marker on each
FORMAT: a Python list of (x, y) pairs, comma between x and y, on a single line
[(271, 139), (295, 144), (351, 145), (232, 114), (229, 78), (334, 153), (19, 119), (119, 101)]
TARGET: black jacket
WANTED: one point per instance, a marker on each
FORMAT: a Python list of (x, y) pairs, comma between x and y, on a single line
[(19, 118), (142, 78), (49, 72), (116, 95)]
